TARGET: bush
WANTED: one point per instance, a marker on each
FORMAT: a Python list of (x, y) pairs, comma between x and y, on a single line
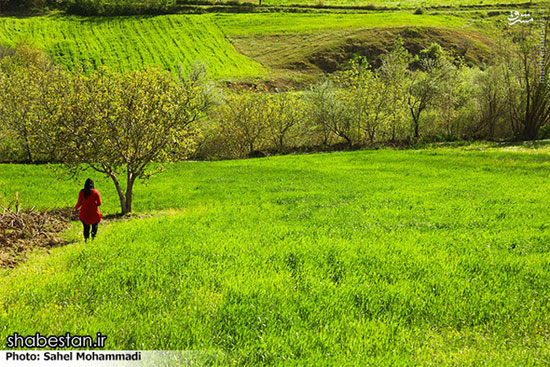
[(119, 7), (29, 5), (242, 122), (544, 132), (85, 7)]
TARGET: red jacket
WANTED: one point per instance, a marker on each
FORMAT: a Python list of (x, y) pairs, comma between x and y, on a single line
[(89, 213)]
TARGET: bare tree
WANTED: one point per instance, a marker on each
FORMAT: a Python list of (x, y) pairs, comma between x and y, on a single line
[(330, 113), (394, 73), (529, 91), (365, 98)]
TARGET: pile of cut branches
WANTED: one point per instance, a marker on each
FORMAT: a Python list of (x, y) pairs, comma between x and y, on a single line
[(24, 229)]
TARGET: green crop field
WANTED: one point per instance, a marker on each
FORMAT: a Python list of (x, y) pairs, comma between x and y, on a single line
[(129, 43), (398, 4), (425, 257), (281, 23), (368, 4)]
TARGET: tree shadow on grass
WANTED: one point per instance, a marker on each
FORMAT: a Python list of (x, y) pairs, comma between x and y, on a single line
[(71, 215)]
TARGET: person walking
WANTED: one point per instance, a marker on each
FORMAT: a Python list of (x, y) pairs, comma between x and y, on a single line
[(88, 202)]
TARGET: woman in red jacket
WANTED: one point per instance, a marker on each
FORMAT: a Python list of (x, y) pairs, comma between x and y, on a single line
[(88, 201)]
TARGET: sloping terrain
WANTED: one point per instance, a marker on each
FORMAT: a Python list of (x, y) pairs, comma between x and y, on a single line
[(235, 46), (129, 43), (428, 257), (305, 54)]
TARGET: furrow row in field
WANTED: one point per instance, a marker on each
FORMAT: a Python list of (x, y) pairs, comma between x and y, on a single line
[(130, 43)]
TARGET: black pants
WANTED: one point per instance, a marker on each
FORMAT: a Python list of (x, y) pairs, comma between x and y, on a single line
[(87, 230)]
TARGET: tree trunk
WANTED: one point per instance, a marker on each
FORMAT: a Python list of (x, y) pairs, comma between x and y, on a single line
[(28, 147), (531, 129), (123, 208), (348, 140), (250, 146), (415, 118), (129, 190)]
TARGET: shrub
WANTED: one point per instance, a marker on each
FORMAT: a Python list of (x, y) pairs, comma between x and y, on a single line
[(243, 122)]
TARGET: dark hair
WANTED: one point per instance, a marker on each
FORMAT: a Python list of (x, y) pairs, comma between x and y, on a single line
[(88, 186)]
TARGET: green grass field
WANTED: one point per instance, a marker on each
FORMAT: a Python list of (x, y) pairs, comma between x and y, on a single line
[(129, 43), (281, 23), (399, 4), (426, 257)]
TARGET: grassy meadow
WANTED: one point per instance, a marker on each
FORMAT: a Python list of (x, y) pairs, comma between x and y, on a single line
[(367, 4), (422, 257), (130, 43), (281, 23), (233, 46), (398, 4)]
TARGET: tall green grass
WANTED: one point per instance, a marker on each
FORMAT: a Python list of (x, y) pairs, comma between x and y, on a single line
[(129, 43), (429, 257)]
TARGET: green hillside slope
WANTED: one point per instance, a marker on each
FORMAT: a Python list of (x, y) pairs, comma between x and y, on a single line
[(282, 23), (128, 43), (264, 42)]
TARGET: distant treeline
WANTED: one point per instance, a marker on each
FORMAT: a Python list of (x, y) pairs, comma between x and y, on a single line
[(121, 7), (429, 97), (136, 7), (92, 7)]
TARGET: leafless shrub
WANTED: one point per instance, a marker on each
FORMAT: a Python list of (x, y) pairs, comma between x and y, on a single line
[(23, 229)]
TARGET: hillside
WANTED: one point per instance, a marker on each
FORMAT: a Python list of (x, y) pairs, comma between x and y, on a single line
[(242, 45), (128, 43), (420, 240)]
